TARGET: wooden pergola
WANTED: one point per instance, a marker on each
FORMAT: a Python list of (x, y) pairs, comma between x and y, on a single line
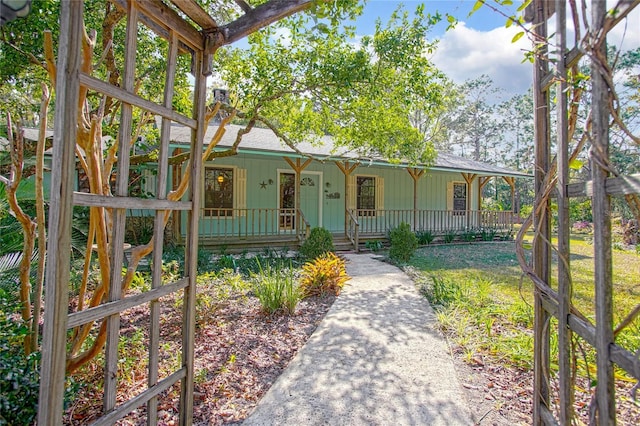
[(552, 180), (190, 30)]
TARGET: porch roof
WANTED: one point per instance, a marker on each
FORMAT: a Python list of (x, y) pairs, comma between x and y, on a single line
[(264, 141)]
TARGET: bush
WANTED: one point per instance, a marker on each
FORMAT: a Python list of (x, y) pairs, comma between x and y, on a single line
[(277, 290), (373, 245), (326, 274), (425, 237), (320, 241), (449, 236), (403, 243), (19, 378)]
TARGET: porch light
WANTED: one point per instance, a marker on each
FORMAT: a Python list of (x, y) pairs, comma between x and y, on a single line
[(220, 179)]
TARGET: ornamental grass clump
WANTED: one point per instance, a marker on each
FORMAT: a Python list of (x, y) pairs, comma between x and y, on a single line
[(277, 290), (325, 275)]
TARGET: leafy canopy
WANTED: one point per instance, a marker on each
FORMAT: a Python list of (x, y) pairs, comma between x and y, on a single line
[(311, 78)]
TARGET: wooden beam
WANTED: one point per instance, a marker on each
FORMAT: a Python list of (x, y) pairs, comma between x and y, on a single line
[(160, 18), (415, 173), (347, 168), (244, 6), (262, 16), (54, 334), (194, 11), (622, 185), (133, 99)]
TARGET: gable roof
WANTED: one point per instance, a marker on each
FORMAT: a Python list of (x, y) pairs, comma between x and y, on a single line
[(264, 141)]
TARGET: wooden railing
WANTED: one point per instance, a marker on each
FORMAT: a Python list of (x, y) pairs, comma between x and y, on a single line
[(253, 223), (379, 222), (353, 229)]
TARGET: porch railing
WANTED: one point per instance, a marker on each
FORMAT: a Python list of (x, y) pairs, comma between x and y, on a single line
[(379, 222), (353, 229), (243, 224)]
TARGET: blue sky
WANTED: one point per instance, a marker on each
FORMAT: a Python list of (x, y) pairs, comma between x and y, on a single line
[(480, 43)]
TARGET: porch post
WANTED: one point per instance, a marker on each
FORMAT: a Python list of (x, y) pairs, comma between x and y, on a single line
[(469, 178), (346, 169), (415, 174), (482, 182), (512, 183), (298, 168)]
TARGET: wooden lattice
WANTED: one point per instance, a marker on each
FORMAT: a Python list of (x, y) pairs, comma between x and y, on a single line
[(552, 180)]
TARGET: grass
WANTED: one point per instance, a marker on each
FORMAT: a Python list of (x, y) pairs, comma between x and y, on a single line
[(486, 306)]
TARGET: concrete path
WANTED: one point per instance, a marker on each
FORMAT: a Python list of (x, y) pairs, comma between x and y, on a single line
[(376, 359)]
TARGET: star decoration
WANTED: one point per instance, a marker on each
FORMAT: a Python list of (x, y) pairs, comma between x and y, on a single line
[(263, 185)]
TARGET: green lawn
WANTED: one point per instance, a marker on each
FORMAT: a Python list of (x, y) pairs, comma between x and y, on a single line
[(485, 305)]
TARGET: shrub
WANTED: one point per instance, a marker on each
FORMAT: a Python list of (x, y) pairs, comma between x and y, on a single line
[(320, 241), (449, 236), (425, 237), (373, 245), (468, 235), (277, 290), (326, 274), (403, 243), (19, 383), (487, 234)]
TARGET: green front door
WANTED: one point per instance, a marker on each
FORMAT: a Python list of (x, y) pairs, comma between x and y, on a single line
[(310, 186)]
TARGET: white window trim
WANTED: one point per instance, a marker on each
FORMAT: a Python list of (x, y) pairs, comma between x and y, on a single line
[(210, 165), (320, 186)]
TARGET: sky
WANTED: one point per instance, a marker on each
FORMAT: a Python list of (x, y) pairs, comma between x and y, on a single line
[(480, 43)]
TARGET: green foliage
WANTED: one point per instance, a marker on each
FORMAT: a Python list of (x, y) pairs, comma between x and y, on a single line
[(440, 292), (580, 211), (487, 234), (318, 80), (468, 235), (326, 274), (403, 243), (449, 235), (425, 237), (19, 377), (277, 290), (320, 241), (373, 245)]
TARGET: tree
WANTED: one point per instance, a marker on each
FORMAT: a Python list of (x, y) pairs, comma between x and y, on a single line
[(314, 81), (474, 123)]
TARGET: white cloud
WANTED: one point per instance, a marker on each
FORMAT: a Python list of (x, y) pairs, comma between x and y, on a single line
[(465, 53)]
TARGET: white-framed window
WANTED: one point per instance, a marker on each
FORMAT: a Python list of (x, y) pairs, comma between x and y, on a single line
[(224, 191), (457, 197), (366, 194)]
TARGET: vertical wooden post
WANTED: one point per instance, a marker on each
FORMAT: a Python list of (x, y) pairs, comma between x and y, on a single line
[(346, 169), (189, 310), (541, 250), (605, 391), (564, 271), (469, 178), (158, 229), (52, 370), (482, 182), (415, 174), (297, 168)]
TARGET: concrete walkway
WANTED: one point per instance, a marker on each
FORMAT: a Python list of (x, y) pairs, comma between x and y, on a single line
[(376, 359)]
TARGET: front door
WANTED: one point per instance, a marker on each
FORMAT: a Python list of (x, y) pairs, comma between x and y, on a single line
[(310, 184)]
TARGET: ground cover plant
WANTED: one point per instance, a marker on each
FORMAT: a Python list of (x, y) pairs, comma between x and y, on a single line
[(486, 311)]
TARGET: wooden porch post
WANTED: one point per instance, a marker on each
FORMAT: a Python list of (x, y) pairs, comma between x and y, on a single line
[(415, 174), (469, 178), (482, 182), (297, 168), (512, 184), (346, 168)]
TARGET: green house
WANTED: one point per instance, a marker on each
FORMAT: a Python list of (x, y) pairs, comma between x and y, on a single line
[(269, 194)]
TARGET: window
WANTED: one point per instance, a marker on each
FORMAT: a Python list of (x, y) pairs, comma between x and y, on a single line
[(218, 191), (365, 194), (459, 197)]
